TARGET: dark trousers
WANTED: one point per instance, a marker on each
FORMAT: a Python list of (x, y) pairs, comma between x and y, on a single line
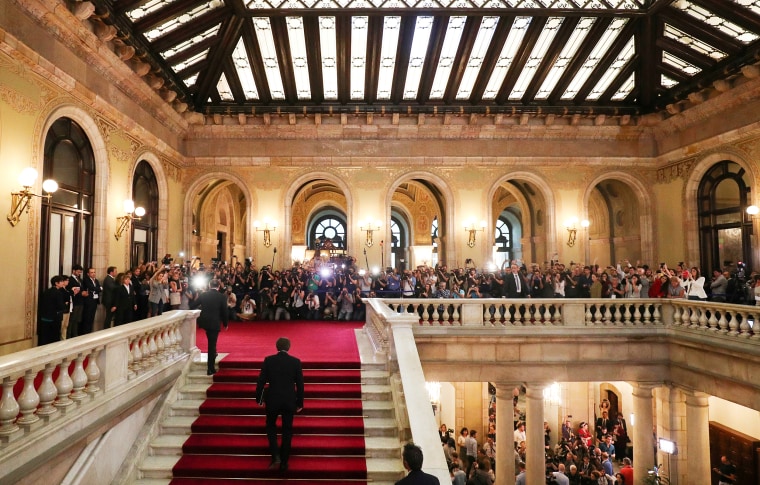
[(76, 317), (108, 322), (283, 452), (212, 336), (48, 331), (88, 317)]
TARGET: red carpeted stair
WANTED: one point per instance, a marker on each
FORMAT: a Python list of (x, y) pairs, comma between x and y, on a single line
[(228, 444)]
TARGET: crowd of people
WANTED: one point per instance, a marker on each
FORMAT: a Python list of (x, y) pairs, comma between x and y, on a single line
[(335, 288)]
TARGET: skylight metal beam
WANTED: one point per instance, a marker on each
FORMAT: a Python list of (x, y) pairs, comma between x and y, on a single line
[(258, 70), (732, 12), (404, 52), (314, 56), (690, 26), (228, 35), (194, 50), (673, 73), (470, 33), (526, 48), (343, 58), (690, 55), (167, 13), (433, 56), (617, 46), (489, 61), (233, 81), (196, 27), (622, 77), (285, 60), (565, 31), (374, 48)]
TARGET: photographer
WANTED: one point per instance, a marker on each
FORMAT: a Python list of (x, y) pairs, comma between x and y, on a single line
[(299, 305), (312, 304), (346, 303)]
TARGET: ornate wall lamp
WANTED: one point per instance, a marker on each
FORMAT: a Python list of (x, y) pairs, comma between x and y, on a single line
[(131, 213), (268, 229), (20, 200), (472, 229), (369, 227), (571, 224), (753, 211)]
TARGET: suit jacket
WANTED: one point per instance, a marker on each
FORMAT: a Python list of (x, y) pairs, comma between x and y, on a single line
[(214, 312), (124, 301), (284, 374), (510, 287), (74, 282), (94, 291), (419, 478), (109, 291)]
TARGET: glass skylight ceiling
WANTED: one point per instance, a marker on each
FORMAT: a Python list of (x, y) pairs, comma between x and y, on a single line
[(406, 53)]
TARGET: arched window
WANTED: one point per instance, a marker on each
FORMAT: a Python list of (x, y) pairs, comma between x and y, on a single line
[(724, 226), (502, 245), (330, 228), (145, 231), (66, 230)]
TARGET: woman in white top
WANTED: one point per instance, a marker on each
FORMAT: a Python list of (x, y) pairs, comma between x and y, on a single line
[(695, 285)]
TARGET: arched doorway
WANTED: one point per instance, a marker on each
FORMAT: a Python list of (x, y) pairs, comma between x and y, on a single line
[(520, 223), (725, 228), (219, 222), (399, 242), (424, 213), (145, 230), (67, 218), (614, 232)]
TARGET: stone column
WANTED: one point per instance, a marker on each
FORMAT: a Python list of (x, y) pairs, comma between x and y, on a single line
[(643, 439), (505, 455), (534, 434), (697, 438)]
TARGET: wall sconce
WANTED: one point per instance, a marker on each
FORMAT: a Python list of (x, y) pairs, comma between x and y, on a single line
[(472, 229), (753, 211), (131, 214), (20, 200), (572, 231), (369, 227), (268, 229)]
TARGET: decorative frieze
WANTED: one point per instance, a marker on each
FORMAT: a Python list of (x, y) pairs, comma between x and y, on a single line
[(680, 169)]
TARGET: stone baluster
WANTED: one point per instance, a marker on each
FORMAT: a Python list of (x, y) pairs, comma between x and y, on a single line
[(93, 373), (636, 315), (607, 314), (712, 321), (9, 409), (558, 315), (486, 316), (28, 400), (744, 328), (160, 350), (627, 315), (153, 348), (702, 319), (676, 315), (426, 316), (686, 317), (722, 323), (656, 316), (174, 346), (546, 316), (179, 340), (693, 317), (64, 385), (78, 379), (47, 392), (733, 325), (455, 315), (168, 342), (137, 356), (589, 315), (146, 362)]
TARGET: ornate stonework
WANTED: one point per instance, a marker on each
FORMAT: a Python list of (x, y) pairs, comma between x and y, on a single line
[(171, 169), (680, 169), (18, 102)]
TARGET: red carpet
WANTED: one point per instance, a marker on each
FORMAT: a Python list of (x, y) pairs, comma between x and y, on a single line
[(228, 444)]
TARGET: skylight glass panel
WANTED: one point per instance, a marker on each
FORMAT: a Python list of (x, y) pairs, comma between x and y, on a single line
[(391, 29), (440, 4), (190, 81), (479, 50), (358, 55), (181, 66), (298, 56), (263, 29), (173, 51), (601, 48), (612, 72), (667, 82), (223, 87), (186, 17), (327, 44), (536, 56), (683, 66), (625, 89), (692, 42), (753, 5), (709, 18), (448, 52), (565, 57), (422, 30), (147, 9), (244, 71), (508, 53)]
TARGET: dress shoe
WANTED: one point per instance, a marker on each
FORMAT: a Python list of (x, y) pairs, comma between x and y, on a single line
[(283, 466), (210, 373), (275, 465)]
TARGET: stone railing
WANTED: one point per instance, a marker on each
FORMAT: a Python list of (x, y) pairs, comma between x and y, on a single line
[(45, 388)]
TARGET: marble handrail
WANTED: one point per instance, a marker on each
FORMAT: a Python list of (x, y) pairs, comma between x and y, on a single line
[(40, 386)]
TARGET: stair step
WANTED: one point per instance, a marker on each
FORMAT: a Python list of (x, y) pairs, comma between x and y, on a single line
[(300, 467), (227, 374), (312, 407), (378, 427), (167, 444), (178, 425), (374, 378), (379, 469), (383, 447), (256, 424), (194, 390), (260, 481), (378, 409), (186, 407), (377, 393), (158, 466), (249, 444), (254, 363), (346, 391)]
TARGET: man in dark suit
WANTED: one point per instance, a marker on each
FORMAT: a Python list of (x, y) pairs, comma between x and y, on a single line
[(77, 308), (413, 462), (283, 397), (91, 293), (124, 305), (109, 295), (515, 285), (214, 314)]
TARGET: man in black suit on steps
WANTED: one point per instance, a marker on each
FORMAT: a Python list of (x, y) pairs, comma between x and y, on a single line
[(283, 397), (412, 455), (213, 315)]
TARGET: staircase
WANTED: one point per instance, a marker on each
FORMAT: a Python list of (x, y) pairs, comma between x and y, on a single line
[(228, 443)]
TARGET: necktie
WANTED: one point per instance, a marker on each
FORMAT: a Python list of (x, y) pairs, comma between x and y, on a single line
[(517, 283)]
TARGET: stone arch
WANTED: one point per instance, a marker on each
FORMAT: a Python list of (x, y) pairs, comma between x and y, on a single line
[(163, 195), (545, 191), (447, 202), (646, 207), (296, 185), (691, 187), (192, 191)]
